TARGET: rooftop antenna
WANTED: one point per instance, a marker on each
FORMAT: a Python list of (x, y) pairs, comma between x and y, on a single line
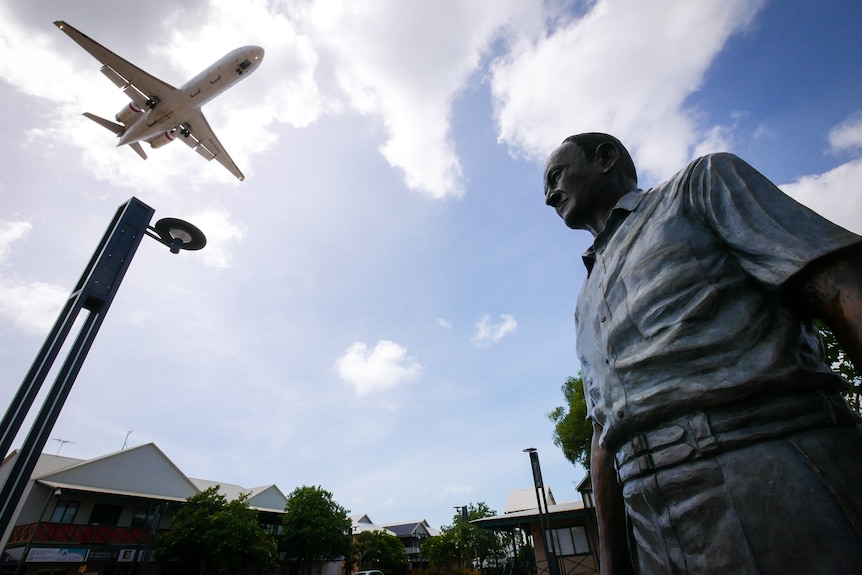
[(62, 443), (128, 433)]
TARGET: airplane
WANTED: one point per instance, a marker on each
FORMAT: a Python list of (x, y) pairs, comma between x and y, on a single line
[(158, 112)]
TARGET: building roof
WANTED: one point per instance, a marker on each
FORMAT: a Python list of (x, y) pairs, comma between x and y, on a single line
[(412, 528), (264, 498), (360, 523), (565, 510), (523, 499), (142, 471)]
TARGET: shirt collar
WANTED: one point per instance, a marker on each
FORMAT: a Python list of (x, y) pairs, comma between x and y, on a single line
[(624, 206)]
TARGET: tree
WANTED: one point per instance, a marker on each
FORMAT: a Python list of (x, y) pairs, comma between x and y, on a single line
[(380, 550), (211, 535), (442, 550), (841, 364), (572, 431), (462, 542), (316, 528)]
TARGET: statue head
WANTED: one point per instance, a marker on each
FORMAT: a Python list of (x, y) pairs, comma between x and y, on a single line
[(589, 143), (585, 177)]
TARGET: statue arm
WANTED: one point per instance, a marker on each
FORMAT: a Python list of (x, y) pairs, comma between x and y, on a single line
[(608, 495), (831, 290)]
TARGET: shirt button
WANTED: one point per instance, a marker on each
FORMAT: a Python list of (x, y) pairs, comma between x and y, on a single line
[(621, 414), (603, 319)]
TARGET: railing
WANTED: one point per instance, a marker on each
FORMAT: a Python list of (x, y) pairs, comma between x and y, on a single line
[(74, 533)]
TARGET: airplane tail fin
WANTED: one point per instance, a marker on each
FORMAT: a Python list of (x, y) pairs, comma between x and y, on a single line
[(116, 129)]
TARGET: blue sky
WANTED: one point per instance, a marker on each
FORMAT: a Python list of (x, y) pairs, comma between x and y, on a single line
[(385, 305)]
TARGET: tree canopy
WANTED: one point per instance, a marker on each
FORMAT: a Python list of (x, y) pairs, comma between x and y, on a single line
[(316, 528), (380, 550), (841, 364), (211, 535), (462, 543), (572, 431)]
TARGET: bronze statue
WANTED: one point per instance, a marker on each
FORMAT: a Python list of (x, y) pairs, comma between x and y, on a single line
[(721, 443)]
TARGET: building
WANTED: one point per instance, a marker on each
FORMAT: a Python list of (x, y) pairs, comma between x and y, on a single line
[(101, 516), (573, 529), (412, 534)]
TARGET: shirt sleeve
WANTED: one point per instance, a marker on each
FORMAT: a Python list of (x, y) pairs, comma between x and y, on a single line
[(771, 235)]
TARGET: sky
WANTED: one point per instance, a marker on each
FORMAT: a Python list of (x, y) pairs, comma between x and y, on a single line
[(385, 304)]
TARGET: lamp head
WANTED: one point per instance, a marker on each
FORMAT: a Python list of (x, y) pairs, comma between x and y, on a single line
[(179, 235)]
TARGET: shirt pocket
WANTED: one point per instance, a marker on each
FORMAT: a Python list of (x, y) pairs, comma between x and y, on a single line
[(668, 288)]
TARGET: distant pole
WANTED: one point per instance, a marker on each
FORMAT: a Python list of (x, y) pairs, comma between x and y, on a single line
[(544, 519)]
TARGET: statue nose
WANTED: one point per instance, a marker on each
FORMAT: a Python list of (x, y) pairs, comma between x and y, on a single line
[(553, 198)]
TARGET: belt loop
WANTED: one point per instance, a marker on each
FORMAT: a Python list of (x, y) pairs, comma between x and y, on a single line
[(702, 432)]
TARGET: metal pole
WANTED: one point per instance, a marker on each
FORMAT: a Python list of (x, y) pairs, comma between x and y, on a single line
[(544, 520), (94, 292)]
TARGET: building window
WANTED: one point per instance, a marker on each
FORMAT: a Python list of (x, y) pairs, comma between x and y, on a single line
[(64, 512), (105, 514), (571, 541), (143, 517)]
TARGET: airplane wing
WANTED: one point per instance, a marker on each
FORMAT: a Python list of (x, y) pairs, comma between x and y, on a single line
[(143, 88), (198, 135)]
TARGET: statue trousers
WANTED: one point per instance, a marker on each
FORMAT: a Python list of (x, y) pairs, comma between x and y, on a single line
[(765, 498)]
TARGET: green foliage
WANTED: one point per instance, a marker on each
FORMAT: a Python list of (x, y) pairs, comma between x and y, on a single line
[(841, 364), (380, 550), (211, 535), (572, 430), (316, 528), (441, 551), (462, 543)]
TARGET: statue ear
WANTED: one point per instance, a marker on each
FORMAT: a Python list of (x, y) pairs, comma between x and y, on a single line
[(607, 155)]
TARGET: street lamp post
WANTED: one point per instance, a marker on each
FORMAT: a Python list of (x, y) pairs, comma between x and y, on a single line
[(94, 292), (544, 520)]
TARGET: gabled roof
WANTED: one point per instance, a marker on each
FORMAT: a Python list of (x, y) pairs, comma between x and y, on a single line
[(268, 498), (45, 464), (264, 498), (524, 499), (360, 523), (143, 471), (569, 509), (412, 528)]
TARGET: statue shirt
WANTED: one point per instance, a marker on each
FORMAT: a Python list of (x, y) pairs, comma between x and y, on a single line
[(682, 307)]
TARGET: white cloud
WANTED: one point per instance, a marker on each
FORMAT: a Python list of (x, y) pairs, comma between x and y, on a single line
[(625, 68), (847, 134), (32, 305), (384, 367), (444, 323), (9, 232), (488, 333), (221, 235), (836, 194), (406, 66)]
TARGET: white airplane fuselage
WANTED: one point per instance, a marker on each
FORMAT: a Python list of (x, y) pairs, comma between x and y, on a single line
[(159, 121)]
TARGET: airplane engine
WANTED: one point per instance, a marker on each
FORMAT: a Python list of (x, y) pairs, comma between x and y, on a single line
[(165, 138), (128, 113)]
